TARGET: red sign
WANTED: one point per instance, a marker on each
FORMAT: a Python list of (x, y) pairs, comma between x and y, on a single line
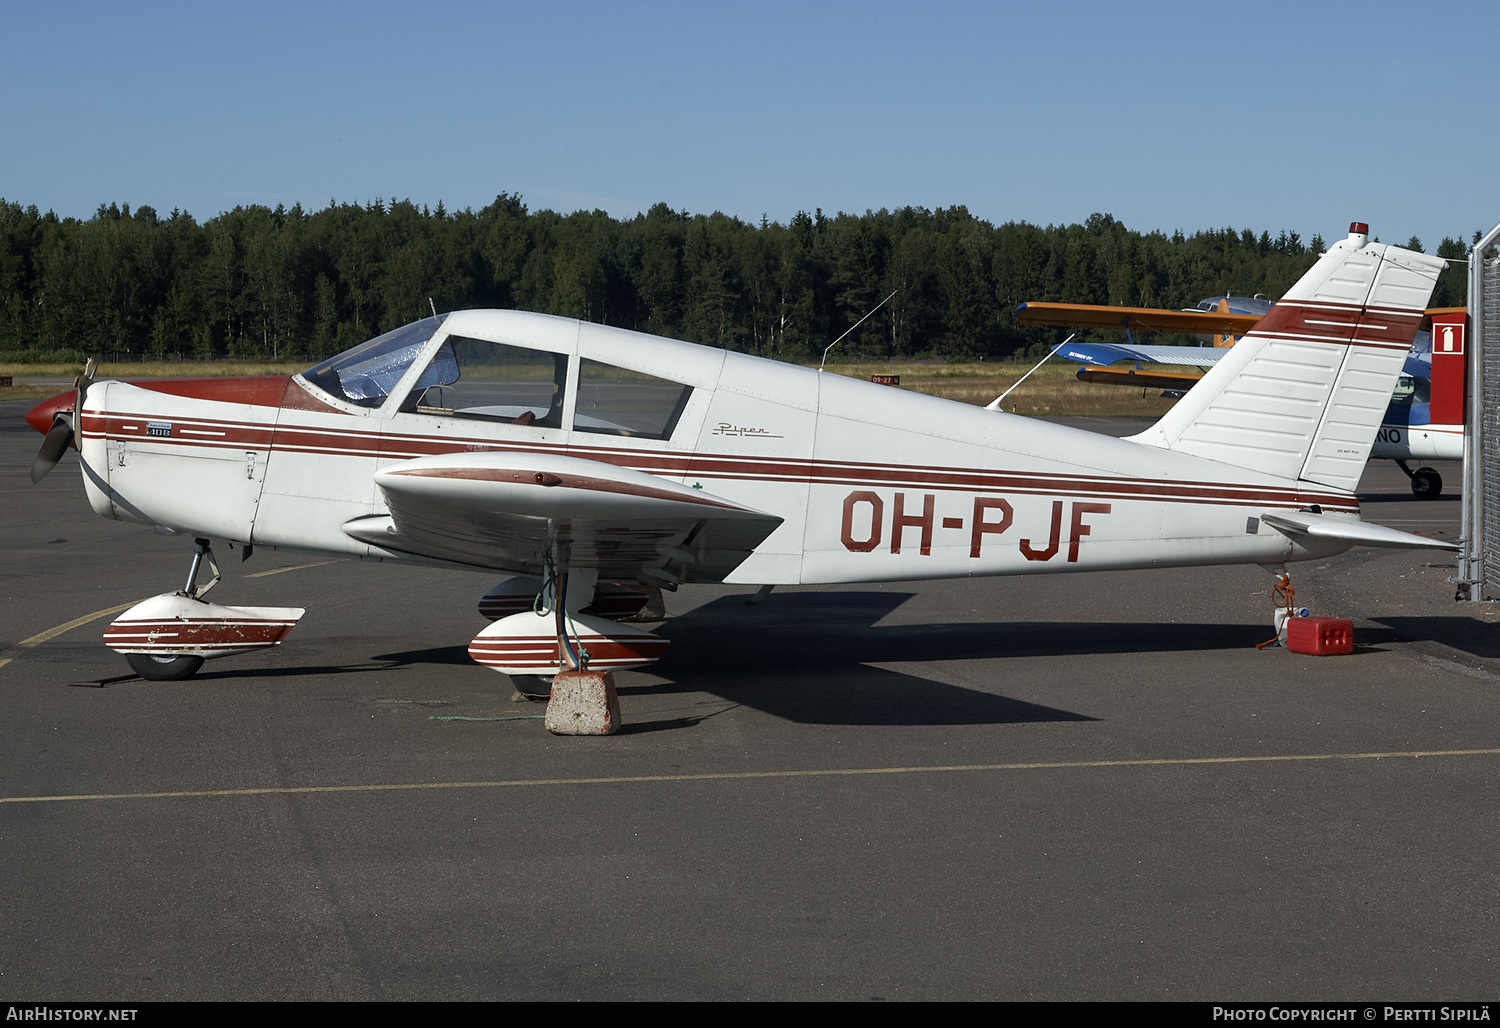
[(886, 380), (1447, 404)]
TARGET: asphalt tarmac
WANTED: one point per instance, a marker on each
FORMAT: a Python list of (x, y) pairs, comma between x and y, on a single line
[(1064, 787)]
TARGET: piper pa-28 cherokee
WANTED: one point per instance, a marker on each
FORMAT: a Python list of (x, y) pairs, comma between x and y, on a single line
[(1425, 419), (594, 463)]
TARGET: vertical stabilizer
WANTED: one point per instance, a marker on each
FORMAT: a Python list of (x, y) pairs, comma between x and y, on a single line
[(1223, 340), (1301, 396)]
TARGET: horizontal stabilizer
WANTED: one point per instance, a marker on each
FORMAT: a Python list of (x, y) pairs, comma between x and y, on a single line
[(1325, 527)]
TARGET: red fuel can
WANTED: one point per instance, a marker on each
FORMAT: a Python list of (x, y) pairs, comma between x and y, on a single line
[(1320, 637)]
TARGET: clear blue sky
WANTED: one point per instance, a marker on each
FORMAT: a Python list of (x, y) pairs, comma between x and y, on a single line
[(1168, 115)]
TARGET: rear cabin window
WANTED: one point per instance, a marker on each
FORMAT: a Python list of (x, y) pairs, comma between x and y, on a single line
[(473, 378), (614, 401)]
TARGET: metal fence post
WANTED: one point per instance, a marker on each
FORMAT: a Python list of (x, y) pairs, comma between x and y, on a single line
[(1479, 509)]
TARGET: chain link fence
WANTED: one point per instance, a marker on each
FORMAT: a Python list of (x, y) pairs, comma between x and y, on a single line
[(1487, 437), (1479, 558)]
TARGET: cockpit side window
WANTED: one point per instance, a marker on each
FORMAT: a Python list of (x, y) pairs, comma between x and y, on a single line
[(366, 374), (615, 401), (474, 378), (1410, 389)]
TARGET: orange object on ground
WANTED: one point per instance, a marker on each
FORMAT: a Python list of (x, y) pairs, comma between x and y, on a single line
[(1320, 637)]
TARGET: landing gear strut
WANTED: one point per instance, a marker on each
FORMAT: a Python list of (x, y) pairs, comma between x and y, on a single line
[(1426, 483), (538, 635), (201, 548), (583, 702), (174, 667)]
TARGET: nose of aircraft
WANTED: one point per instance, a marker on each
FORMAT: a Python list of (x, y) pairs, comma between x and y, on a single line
[(41, 416)]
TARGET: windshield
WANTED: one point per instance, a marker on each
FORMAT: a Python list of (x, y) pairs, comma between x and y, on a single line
[(366, 374)]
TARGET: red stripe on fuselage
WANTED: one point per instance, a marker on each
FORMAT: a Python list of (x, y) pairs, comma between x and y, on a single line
[(200, 432), (744, 469), (1332, 323)]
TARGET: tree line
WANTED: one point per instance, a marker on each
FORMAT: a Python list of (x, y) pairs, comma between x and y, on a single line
[(263, 283)]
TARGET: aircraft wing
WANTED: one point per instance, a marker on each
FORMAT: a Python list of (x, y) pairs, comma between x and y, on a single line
[(1105, 354), (1084, 315), (504, 510)]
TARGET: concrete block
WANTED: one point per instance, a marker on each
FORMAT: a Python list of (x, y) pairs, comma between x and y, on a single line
[(583, 703)]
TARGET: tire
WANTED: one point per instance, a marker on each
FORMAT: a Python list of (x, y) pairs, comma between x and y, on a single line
[(533, 687), (1426, 484), (165, 668)]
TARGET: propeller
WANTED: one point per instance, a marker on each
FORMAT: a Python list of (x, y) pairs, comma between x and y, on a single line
[(58, 438), (61, 435)]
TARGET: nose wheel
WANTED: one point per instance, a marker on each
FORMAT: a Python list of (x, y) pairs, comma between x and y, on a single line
[(164, 667)]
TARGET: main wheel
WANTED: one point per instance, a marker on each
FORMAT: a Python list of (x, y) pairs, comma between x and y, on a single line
[(1426, 484), (164, 668), (532, 687)]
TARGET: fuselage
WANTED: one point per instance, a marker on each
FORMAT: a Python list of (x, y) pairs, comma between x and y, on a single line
[(871, 483), (1414, 438)]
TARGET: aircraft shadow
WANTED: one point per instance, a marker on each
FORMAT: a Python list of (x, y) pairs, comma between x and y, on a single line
[(458, 655), (806, 657), (834, 629), (855, 694), (1468, 635), (453, 655)]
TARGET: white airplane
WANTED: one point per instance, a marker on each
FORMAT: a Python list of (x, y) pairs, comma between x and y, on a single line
[(593, 463)]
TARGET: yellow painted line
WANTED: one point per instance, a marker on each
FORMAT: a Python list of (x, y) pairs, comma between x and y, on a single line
[(735, 776), (52, 633), (295, 567)]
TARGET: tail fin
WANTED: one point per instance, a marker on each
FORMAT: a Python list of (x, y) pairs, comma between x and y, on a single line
[(1223, 339), (1302, 394)]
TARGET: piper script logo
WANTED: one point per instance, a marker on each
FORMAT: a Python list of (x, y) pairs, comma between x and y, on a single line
[(725, 428)]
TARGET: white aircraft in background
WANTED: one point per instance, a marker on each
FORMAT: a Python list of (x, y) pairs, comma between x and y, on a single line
[(1425, 418), (592, 463)]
